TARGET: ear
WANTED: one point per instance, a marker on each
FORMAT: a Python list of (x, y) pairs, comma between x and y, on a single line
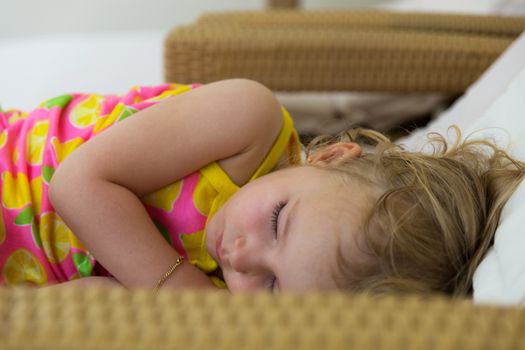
[(336, 153)]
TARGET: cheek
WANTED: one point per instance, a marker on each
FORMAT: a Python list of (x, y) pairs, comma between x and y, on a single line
[(250, 212)]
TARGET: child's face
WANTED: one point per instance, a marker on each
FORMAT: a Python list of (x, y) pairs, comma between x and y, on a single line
[(316, 214)]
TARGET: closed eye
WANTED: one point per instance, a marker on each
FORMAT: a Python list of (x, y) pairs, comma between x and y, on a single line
[(275, 216)]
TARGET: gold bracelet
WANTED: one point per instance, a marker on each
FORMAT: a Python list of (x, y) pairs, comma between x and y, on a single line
[(163, 279)]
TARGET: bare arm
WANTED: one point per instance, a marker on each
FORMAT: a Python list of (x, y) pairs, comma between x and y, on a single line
[(98, 281), (96, 190)]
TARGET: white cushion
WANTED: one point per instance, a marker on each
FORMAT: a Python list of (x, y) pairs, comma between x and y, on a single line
[(500, 277)]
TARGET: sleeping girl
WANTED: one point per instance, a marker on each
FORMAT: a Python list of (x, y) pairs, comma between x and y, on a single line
[(189, 186)]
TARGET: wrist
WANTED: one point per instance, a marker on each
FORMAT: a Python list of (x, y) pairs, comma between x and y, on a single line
[(186, 276), (168, 273)]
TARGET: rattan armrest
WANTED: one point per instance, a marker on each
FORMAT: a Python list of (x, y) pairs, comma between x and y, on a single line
[(91, 318), (290, 50)]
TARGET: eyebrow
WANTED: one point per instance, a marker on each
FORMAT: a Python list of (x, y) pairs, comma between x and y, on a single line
[(289, 213)]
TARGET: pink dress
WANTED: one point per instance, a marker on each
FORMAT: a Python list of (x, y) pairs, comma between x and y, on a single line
[(37, 247)]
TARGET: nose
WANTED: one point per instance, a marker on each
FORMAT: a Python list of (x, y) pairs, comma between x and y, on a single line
[(244, 255)]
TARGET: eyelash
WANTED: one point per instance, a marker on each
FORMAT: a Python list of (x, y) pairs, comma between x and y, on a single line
[(271, 285), (275, 215)]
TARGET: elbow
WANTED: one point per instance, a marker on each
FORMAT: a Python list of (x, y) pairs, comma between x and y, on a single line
[(56, 189), (65, 182), (70, 181)]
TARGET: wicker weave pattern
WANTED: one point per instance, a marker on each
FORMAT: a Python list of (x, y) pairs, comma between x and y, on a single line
[(322, 51), (120, 319), (479, 25), (279, 4), (330, 59)]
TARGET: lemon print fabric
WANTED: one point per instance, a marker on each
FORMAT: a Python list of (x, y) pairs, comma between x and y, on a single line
[(203, 196), (164, 198), (36, 141), (59, 102), (55, 237), (23, 267), (2, 227), (36, 245), (15, 190), (119, 113), (64, 149), (174, 213), (86, 112), (3, 138)]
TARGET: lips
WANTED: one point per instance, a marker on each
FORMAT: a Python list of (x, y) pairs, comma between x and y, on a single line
[(218, 249)]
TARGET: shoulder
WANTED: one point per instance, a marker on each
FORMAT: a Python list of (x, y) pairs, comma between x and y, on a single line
[(263, 120), (261, 110)]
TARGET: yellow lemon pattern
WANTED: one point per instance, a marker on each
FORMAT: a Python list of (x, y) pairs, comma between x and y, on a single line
[(36, 245), (194, 245), (203, 192), (120, 112), (164, 198), (16, 116), (23, 267), (55, 236), (3, 138), (15, 190), (36, 194), (62, 150), (36, 142), (86, 112)]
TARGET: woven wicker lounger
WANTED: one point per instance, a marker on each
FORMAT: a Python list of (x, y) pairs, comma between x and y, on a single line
[(119, 319), (290, 50)]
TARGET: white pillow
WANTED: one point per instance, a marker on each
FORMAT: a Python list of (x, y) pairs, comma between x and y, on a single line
[(496, 101), (500, 278)]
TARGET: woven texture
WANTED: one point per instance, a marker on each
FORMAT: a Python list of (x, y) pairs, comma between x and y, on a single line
[(279, 4), (120, 319), (479, 25), (291, 50)]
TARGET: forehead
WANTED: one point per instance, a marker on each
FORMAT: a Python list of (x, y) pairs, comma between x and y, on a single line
[(323, 192)]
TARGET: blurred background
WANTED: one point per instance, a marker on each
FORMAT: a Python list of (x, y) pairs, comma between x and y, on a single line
[(56, 46), (26, 18), (52, 47), (22, 18)]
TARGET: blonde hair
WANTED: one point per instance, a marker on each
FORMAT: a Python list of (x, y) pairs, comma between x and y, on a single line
[(432, 216)]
